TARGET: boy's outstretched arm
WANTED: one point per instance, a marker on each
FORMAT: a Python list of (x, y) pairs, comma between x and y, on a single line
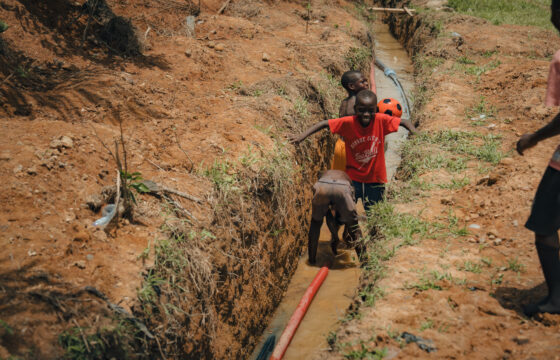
[(296, 139), (409, 125), (527, 141)]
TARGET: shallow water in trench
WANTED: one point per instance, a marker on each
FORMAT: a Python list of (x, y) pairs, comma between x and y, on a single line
[(338, 289), (393, 55), (330, 302)]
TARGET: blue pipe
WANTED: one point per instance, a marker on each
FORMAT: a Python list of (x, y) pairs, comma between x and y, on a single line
[(390, 73)]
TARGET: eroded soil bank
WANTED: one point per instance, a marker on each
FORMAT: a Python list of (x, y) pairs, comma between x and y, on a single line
[(456, 263), (204, 115)]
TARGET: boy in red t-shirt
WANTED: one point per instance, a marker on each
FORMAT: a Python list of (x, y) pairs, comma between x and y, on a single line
[(364, 136)]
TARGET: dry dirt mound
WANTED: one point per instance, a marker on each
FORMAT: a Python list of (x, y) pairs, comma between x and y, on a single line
[(465, 264), (203, 115)]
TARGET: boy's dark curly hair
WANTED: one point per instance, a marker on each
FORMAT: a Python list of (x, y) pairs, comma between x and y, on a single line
[(349, 77)]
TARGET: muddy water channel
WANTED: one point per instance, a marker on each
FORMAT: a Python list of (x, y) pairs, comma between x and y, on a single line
[(339, 288)]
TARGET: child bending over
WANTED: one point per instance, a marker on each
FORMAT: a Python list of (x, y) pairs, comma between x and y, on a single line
[(333, 192)]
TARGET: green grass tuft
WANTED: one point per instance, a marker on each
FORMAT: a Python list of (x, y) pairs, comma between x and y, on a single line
[(3, 26), (427, 324), (515, 265), (471, 267), (517, 12), (409, 228), (105, 343), (364, 352)]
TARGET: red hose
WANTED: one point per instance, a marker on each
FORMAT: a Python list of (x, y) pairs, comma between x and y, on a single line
[(298, 315)]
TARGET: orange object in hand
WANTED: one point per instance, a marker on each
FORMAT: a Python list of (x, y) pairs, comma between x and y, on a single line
[(339, 157)]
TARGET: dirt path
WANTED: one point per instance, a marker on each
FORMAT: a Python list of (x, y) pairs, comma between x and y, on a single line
[(458, 263)]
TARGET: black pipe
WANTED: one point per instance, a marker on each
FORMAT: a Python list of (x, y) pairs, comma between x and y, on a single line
[(267, 348)]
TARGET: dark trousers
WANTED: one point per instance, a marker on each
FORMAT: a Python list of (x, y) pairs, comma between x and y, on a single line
[(370, 193)]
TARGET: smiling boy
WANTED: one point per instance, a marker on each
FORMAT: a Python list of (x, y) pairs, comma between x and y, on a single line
[(364, 137)]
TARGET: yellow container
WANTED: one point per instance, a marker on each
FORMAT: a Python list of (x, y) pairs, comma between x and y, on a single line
[(339, 158)]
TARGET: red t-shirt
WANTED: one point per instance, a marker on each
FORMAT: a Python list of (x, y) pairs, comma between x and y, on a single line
[(365, 146)]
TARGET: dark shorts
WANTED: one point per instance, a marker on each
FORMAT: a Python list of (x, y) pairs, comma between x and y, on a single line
[(545, 213), (370, 193), (339, 197)]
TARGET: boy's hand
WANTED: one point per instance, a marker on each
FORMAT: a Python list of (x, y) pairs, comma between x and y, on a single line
[(294, 139), (526, 141), (411, 130), (405, 122)]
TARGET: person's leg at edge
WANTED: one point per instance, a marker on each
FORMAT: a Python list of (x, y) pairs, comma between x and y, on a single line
[(333, 226), (373, 193), (358, 191), (313, 240), (548, 248)]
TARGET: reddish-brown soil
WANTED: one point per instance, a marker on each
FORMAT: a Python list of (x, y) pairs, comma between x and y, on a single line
[(472, 308), (248, 77), (234, 90)]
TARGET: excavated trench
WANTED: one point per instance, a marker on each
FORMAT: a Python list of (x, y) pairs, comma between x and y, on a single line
[(337, 292), (237, 283)]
